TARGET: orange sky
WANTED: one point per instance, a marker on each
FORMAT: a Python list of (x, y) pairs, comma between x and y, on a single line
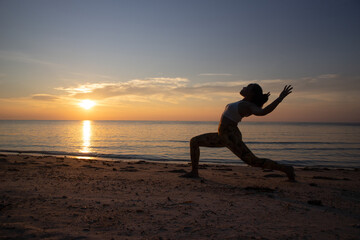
[(176, 100)]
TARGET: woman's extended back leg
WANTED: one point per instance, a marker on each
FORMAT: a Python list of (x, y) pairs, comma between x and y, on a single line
[(232, 138)]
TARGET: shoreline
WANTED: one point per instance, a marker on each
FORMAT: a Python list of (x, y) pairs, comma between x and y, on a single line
[(47, 197), (84, 156)]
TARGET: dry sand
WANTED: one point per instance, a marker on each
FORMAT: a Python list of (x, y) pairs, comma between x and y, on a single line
[(44, 197)]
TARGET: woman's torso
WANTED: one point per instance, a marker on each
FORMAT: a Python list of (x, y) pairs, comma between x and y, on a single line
[(234, 112)]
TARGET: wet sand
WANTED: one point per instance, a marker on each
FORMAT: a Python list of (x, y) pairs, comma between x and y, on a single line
[(46, 197)]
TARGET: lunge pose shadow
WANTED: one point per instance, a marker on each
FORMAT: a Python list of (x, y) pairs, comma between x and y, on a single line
[(229, 135)]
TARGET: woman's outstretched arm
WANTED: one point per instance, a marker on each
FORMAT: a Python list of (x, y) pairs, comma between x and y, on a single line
[(269, 108)]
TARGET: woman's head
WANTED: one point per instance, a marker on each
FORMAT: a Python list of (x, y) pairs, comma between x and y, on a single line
[(253, 93)]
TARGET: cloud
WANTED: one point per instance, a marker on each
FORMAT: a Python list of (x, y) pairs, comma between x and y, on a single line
[(171, 90), (328, 76), (175, 90), (223, 84), (215, 74), (161, 89), (158, 88), (239, 84), (44, 97), (85, 88)]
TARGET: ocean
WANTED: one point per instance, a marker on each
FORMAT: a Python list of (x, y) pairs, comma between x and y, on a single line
[(299, 144)]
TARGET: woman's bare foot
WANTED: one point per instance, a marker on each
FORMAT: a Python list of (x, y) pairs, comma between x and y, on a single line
[(190, 175), (290, 172)]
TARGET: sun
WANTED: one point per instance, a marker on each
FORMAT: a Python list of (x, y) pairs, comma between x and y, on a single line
[(87, 104)]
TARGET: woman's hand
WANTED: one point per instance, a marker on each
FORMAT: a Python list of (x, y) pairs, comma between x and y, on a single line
[(285, 92)]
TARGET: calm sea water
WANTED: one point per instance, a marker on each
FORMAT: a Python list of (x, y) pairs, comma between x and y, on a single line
[(301, 144)]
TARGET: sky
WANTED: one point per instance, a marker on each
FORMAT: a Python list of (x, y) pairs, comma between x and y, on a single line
[(178, 59)]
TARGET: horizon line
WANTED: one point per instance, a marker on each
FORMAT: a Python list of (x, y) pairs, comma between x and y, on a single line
[(123, 120)]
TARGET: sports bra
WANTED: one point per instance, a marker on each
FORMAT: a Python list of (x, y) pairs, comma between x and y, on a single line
[(232, 112)]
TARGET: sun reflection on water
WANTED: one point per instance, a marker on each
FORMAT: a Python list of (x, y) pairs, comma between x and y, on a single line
[(86, 136)]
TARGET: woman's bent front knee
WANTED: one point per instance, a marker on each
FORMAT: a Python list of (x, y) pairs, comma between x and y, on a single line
[(194, 142)]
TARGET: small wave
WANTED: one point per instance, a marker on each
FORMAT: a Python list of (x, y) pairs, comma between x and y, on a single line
[(301, 143), (97, 155), (305, 149)]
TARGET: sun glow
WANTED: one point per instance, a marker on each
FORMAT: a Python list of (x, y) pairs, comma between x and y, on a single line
[(86, 137), (87, 104)]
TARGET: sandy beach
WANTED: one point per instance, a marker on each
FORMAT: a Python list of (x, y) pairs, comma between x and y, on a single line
[(47, 197)]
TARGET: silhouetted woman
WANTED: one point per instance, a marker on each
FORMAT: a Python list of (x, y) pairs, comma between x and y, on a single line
[(229, 136)]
